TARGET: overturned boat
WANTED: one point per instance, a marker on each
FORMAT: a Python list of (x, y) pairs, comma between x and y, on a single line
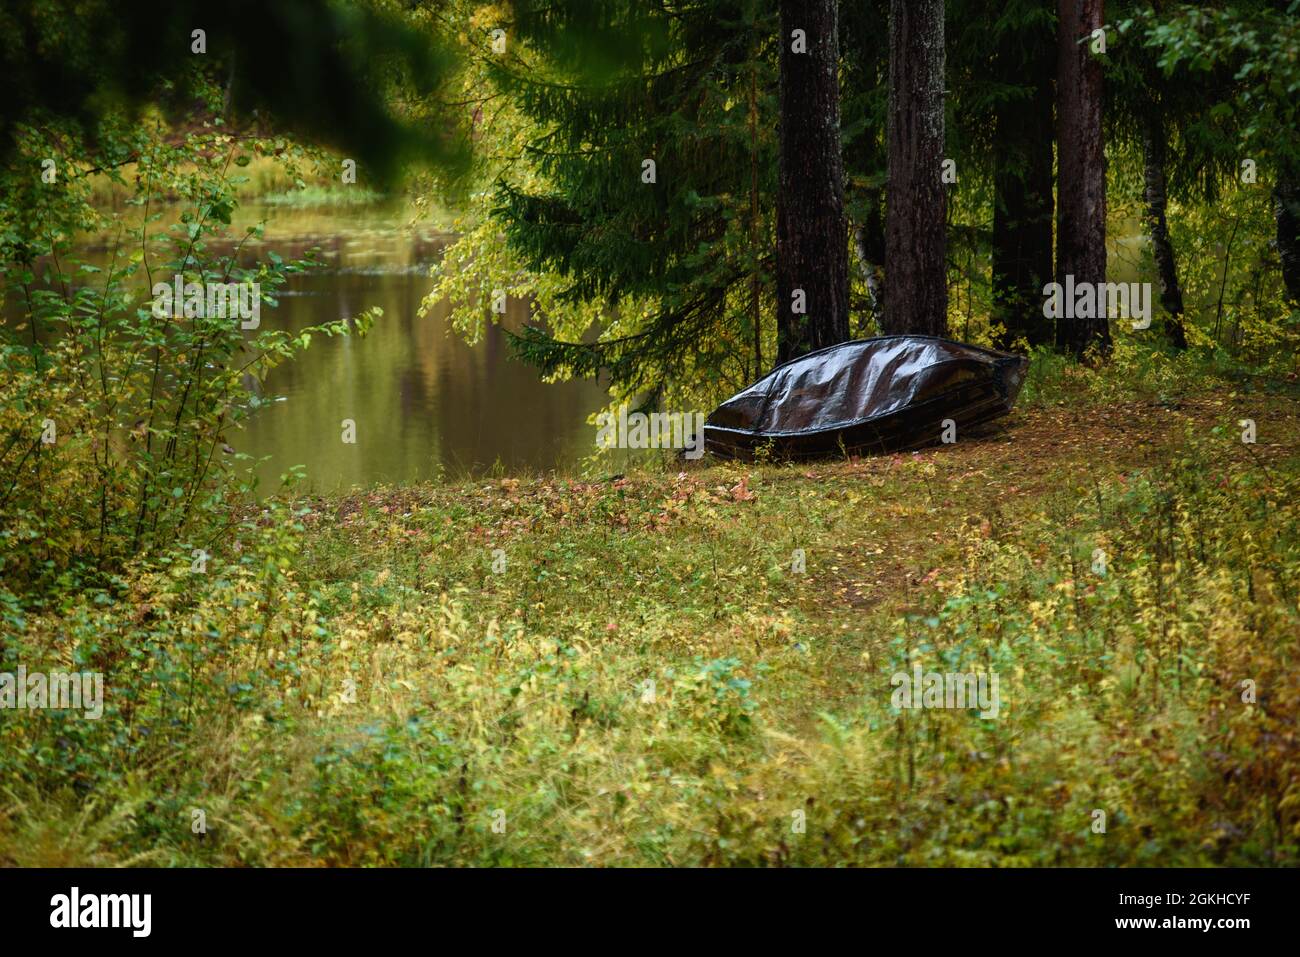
[(882, 394)]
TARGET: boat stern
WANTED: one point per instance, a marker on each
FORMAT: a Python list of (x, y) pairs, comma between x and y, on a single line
[(1011, 373)]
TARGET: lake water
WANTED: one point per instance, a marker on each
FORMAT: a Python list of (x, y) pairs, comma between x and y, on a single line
[(423, 401)]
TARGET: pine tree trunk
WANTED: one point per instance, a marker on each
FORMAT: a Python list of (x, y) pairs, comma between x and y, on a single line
[(1081, 176), (1286, 209), (812, 252), (1153, 162), (756, 279), (1022, 209), (916, 282)]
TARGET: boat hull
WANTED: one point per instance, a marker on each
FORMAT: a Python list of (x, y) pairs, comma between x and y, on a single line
[(873, 395)]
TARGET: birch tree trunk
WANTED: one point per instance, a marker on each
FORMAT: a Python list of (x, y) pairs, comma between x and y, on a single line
[(869, 245), (1153, 163), (1286, 210)]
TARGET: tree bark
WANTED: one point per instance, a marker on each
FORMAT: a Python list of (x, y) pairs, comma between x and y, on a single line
[(1155, 194), (916, 281), (1286, 210), (1081, 174), (869, 245), (1022, 182), (756, 279), (812, 251)]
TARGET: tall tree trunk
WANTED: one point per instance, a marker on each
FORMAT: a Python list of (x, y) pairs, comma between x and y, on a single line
[(755, 279), (1081, 175), (916, 281), (812, 252), (1286, 209), (1022, 182), (1153, 163)]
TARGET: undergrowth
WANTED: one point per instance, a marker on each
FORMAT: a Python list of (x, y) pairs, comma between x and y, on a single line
[(645, 680)]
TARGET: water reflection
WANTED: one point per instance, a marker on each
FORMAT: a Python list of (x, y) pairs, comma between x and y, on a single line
[(423, 401)]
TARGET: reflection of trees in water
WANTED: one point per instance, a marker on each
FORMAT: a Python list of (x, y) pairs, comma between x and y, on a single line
[(419, 393)]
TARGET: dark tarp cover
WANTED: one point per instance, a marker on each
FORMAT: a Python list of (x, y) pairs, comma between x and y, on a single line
[(885, 393)]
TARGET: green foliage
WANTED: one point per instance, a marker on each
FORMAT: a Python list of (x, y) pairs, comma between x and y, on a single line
[(1122, 693), (676, 273), (1256, 43), (351, 684), (115, 421), (1232, 284), (326, 70)]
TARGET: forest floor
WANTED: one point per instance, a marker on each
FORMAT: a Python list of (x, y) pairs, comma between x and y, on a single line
[(697, 667)]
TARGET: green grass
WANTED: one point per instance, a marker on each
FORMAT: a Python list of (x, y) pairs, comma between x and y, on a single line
[(351, 681)]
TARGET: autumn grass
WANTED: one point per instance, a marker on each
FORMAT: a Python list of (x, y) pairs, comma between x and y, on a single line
[(631, 671)]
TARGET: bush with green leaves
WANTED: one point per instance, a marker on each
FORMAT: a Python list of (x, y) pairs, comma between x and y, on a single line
[(114, 422)]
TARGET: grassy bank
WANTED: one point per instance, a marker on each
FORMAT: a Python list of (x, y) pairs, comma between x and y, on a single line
[(632, 670)]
